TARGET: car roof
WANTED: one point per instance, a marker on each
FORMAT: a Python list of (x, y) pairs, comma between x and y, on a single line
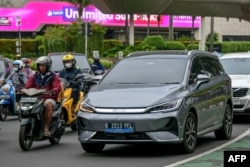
[(236, 55), (168, 54)]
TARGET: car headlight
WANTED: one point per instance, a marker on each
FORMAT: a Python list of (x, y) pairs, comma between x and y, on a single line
[(84, 107), (166, 107), (5, 88)]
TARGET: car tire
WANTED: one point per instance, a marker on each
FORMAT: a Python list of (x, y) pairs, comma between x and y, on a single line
[(225, 132), (92, 147), (190, 134)]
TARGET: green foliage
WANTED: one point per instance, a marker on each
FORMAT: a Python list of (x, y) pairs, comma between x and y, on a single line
[(183, 38), (113, 52), (193, 47), (95, 41), (156, 41), (110, 43), (33, 65), (174, 46), (105, 62), (228, 47), (139, 47), (216, 37)]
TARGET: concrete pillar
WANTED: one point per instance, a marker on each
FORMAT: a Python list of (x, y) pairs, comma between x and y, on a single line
[(202, 34), (131, 29)]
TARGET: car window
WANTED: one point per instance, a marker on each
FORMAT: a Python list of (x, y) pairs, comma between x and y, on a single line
[(196, 69), (57, 64), (147, 71), (211, 67), (236, 66)]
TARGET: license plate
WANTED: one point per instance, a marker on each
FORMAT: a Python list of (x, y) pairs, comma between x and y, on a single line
[(236, 101), (119, 127), (28, 99)]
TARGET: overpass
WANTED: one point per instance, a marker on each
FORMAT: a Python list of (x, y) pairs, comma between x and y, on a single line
[(204, 8), (216, 8)]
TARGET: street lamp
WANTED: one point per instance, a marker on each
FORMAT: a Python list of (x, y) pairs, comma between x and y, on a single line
[(18, 44)]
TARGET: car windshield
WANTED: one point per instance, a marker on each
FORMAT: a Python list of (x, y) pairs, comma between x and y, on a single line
[(147, 71), (236, 66), (57, 64)]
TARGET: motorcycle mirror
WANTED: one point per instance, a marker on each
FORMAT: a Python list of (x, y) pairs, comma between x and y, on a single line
[(78, 76)]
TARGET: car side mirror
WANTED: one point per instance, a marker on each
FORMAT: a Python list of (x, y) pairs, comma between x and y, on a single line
[(201, 78)]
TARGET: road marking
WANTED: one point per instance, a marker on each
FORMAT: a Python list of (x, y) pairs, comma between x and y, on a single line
[(212, 150)]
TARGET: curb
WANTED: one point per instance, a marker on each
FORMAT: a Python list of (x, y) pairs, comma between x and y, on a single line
[(218, 151)]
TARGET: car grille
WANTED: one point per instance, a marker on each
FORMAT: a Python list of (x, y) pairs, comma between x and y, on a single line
[(239, 106), (240, 92), (134, 136)]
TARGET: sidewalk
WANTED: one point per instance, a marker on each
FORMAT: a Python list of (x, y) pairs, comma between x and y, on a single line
[(215, 157)]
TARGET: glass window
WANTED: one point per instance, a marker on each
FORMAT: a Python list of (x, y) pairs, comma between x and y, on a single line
[(211, 66), (147, 71), (196, 69), (57, 64), (236, 66)]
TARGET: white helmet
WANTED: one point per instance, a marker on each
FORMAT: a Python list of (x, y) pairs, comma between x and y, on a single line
[(18, 63)]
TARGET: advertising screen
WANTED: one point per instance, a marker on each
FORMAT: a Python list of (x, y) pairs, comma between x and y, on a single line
[(34, 15)]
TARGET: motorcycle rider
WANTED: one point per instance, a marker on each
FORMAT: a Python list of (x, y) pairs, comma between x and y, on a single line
[(27, 68), (69, 72), (18, 78), (44, 78), (97, 65)]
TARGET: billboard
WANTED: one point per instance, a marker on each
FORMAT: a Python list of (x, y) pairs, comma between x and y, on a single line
[(34, 15)]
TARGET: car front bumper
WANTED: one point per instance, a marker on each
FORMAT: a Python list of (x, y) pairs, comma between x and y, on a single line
[(153, 127)]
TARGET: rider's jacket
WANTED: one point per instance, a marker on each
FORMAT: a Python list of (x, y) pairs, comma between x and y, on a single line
[(49, 81), (18, 79), (69, 74)]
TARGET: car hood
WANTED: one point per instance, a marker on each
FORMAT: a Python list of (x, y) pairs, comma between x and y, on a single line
[(130, 96), (240, 81)]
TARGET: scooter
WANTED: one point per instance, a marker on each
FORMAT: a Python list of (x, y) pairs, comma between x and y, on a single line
[(32, 119), (8, 105), (69, 115)]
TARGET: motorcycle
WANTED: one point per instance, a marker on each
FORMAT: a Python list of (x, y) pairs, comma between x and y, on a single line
[(68, 114), (32, 119), (8, 104)]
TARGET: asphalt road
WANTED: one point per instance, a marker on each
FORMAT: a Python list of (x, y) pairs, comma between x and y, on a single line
[(69, 152)]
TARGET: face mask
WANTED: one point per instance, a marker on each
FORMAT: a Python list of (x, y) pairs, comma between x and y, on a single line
[(68, 65), (15, 69)]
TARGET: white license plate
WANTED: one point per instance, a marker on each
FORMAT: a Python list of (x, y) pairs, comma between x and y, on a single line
[(28, 99), (236, 101)]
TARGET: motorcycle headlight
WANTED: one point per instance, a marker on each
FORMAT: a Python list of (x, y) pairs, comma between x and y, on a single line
[(25, 108), (84, 107), (166, 107), (5, 88)]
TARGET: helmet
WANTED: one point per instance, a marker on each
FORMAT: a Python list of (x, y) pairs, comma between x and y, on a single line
[(26, 61), (44, 60), (69, 57), (19, 64), (18, 56)]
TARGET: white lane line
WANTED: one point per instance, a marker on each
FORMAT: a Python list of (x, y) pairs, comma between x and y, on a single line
[(212, 150)]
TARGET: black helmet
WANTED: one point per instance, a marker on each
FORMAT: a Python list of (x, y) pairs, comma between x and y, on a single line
[(44, 60)]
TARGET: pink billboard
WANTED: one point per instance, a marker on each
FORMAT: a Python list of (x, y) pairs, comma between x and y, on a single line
[(34, 15)]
